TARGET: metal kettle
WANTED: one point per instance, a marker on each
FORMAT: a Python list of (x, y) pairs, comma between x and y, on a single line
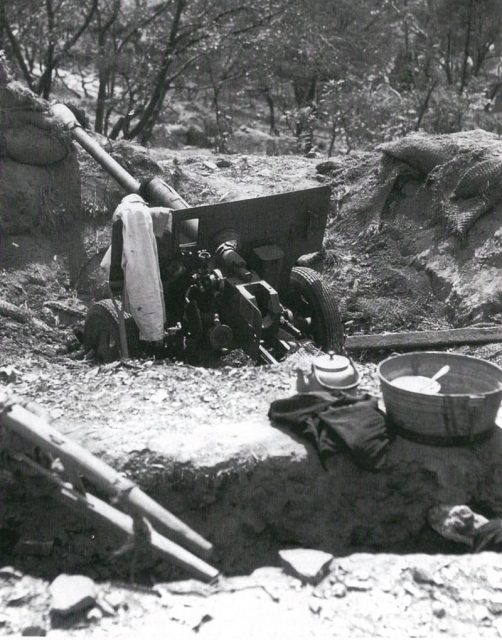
[(329, 372)]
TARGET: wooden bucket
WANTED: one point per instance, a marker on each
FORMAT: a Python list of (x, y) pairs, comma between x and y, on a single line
[(463, 411)]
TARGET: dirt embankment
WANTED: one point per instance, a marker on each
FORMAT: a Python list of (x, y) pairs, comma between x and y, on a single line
[(428, 211)]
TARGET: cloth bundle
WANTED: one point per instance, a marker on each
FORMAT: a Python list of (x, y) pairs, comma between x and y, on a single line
[(331, 422), (143, 291)]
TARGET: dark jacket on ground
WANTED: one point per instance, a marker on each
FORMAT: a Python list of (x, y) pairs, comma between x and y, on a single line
[(337, 422)]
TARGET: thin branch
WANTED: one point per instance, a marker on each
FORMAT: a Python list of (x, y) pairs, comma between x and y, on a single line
[(67, 46), (16, 48), (144, 23)]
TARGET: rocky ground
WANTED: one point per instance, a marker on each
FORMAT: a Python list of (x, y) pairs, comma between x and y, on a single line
[(198, 440), (363, 595)]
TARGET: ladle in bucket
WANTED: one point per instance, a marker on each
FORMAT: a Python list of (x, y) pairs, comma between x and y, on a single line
[(421, 384)]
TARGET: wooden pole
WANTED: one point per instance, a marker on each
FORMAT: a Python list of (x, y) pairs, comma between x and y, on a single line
[(36, 432), (88, 505)]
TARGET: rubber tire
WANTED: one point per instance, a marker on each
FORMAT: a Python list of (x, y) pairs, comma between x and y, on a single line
[(101, 332), (327, 327)]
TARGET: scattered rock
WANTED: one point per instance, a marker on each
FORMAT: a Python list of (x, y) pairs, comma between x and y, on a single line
[(19, 595), (210, 165), (94, 615), (386, 584), (10, 572), (339, 590), (315, 607), (8, 374), (115, 599), (72, 593), (106, 608), (309, 565), (422, 576), (223, 163), (494, 578), (354, 584), (481, 595), (410, 588), (327, 166), (310, 259), (34, 630), (481, 613), (438, 610), (443, 626), (206, 617), (36, 278)]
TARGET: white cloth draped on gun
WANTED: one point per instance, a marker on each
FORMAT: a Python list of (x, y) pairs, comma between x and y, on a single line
[(143, 292)]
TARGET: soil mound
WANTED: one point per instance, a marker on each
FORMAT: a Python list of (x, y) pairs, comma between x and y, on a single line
[(438, 201)]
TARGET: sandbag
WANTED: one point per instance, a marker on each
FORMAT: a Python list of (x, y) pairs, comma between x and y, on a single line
[(20, 117), (14, 95), (460, 215), (31, 145), (423, 154), (483, 177)]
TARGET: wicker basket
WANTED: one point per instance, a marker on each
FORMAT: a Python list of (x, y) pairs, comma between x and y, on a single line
[(465, 409)]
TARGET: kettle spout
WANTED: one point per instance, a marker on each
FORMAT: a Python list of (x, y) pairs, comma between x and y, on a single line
[(302, 381)]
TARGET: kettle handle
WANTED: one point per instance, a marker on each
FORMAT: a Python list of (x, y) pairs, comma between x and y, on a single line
[(327, 386)]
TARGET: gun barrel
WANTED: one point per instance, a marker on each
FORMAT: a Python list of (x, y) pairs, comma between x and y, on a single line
[(157, 191), (39, 433), (109, 164)]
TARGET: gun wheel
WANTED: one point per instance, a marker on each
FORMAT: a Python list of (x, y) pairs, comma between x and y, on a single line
[(314, 309), (101, 332)]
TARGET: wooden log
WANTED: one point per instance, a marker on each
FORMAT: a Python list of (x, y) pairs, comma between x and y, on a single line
[(10, 310), (19, 314), (423, 339)]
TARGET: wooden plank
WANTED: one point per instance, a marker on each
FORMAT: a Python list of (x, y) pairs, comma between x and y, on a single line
[(420, 339)]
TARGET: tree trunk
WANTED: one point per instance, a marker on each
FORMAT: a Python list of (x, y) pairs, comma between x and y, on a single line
[(332, 139), (100, 102), (154, 104), (425, 105), (18, 54), (104, 66), (448, 59), (3, 32), (103, 79), (45, 84), (117, 128), (271, 111), (467, 47)]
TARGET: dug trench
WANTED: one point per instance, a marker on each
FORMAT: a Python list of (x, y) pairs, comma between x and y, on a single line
[(197, 439), (218, 464), (249, 487)]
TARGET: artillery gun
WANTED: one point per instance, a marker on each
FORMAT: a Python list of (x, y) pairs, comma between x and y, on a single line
[(229, 271)]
